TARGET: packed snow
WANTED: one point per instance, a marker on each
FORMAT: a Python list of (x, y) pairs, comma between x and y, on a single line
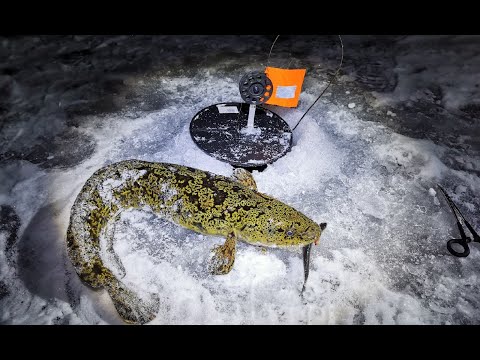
[(369, 170)]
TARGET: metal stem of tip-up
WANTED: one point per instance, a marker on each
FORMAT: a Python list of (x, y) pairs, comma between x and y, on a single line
[(251, 116)]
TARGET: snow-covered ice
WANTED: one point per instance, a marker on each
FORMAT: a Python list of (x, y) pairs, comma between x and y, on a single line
[(371, 174)]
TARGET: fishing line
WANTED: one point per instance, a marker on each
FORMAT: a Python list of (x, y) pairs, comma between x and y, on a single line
[(328, 85), (270, 53)]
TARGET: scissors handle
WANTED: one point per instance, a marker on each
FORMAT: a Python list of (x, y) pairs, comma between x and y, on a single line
[(462, 243)]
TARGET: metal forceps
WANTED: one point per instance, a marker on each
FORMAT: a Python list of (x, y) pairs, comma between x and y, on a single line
[(463, 242)]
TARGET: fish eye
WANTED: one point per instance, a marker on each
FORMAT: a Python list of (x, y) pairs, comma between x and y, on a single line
[(289, 232)]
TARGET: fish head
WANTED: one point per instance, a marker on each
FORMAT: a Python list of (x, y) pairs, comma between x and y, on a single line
[(278, 224)]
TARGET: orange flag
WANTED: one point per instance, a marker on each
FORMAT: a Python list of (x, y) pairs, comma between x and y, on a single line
[(287, 86)]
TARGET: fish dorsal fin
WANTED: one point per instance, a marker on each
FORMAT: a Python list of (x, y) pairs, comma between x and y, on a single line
[(244, 177)]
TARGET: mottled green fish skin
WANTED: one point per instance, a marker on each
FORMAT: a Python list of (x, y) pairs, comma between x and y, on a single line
[(197, 200)]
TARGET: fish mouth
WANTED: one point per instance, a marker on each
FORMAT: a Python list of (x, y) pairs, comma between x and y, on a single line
[(322, 226)]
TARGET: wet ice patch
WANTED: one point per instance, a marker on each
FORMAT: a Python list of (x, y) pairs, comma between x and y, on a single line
[(420, 158), (421, 68)]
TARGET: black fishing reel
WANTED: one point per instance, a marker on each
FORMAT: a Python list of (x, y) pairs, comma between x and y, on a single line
[(255, 88)]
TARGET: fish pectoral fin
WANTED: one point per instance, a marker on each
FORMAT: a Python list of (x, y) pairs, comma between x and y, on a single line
[(244, 177), (131, 308), (223, 256)]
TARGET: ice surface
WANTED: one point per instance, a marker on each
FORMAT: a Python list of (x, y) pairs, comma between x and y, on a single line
[(382, 258)]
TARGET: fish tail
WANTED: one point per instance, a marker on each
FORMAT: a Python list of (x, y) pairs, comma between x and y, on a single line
[(130, 306)]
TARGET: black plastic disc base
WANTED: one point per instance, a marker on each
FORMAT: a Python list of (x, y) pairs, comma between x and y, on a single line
[(221, 131)]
